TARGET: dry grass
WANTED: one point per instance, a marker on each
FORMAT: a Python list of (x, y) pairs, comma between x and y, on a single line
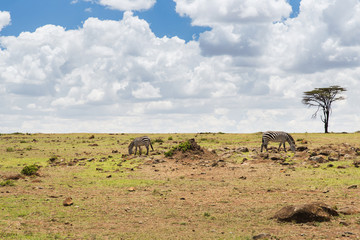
[(120, 197)]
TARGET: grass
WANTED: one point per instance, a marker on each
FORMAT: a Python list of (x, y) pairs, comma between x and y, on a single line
[(116, 196)]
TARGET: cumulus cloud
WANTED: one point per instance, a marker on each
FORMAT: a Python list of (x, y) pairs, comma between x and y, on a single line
[(127, 5), (246, 74), (238, 28), (145, 91), (4, 19), (213, 12), (313, 41)]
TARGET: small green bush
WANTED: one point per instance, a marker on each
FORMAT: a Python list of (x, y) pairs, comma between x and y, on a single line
[(184, 146), (30, 170), (9, 149), (170, 138), (158, 140), (169, 153), (53, 158), (7, 183), (206, 214)]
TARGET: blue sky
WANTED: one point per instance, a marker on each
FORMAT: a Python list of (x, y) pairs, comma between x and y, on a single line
[(176, 65), (164, 21)]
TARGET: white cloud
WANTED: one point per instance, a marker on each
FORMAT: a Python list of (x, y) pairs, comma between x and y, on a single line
[(313, 41), (238, 28), (146, 91), (214, 12), (4, 19), (127, 5), (246, 74)]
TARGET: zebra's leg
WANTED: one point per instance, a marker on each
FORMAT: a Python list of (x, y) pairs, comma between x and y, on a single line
[(265, 146), (284, 147), (279, 146), (135, 150), (139, 150), (262, 144), (147, 150)]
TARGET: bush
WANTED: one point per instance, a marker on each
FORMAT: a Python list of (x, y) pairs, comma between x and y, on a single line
[(169, 153), (159, 140), (30, 170), (184, 146), (53, 158), (9, 149), (7, 183)]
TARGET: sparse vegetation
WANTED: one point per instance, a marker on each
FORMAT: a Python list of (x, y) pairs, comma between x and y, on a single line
[(231, 196)]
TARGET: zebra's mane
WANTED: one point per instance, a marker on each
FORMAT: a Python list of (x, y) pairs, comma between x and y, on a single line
[(131, 145), (291, 138)]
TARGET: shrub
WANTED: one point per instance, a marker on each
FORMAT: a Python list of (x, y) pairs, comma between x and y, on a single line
[(170, 138), (206, 214), (7, 183), (30, 170), (9, 149), (184, 146), (169, 153), (53, 158), (158, 140)]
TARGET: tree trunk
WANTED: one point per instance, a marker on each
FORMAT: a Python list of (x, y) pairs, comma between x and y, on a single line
[(327, 114), (326, 127)]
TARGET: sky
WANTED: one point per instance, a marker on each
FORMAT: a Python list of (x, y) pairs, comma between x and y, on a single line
[(171, 66)]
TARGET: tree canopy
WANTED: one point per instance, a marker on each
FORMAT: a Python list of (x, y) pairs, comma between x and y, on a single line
[(323, 98)]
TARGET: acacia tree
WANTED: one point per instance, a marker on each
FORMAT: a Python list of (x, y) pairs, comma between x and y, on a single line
[(322, 98)]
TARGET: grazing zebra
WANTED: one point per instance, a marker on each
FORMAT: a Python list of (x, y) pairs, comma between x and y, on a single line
[(281, 137), (140, 141)]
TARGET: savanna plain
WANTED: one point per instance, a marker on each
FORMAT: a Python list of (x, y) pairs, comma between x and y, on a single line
[(86, 186)]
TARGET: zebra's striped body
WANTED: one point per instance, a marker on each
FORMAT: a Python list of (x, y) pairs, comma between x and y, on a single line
[(138, 142), (275, 136)]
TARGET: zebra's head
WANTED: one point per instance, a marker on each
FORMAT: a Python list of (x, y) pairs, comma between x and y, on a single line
[(131, 146), (292, 143), (292, 147)]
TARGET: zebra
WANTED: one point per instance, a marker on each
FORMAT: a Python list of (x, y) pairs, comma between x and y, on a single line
[(140, 141), (277, 136)]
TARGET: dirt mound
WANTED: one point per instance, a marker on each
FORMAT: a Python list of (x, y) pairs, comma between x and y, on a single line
[(191, 153), (318, 212)]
